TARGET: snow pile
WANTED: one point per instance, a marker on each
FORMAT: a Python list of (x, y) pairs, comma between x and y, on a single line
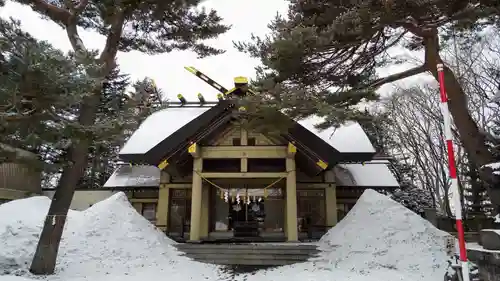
[(380, 234), (108, 238), (378, 240)]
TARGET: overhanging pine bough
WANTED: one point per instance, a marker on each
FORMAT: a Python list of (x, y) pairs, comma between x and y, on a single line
[(323, 45)]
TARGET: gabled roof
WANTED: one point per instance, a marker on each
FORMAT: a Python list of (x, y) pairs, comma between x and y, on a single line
[(171, 130)]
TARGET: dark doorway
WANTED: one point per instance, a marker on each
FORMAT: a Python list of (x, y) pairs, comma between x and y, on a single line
[(246, 217)]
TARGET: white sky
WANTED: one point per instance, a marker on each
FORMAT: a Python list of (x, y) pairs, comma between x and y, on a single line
[(246, 17)]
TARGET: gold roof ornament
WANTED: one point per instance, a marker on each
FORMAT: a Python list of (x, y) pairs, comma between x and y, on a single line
[(240, 80), (182, 99), (201, 98)]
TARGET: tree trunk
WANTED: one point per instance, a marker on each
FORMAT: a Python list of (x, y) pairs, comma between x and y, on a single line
[(44, 261), (474, 142)]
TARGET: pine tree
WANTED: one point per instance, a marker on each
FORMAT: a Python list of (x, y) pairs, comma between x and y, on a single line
[(153, 27)]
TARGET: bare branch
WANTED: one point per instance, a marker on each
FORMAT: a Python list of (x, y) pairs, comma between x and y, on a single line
[(398, 76)]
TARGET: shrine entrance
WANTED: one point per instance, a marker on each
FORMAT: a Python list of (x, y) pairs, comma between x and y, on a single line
[(246, 218), (248, 213)]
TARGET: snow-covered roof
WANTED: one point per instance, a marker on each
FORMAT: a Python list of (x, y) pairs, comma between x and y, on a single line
[(134, 176), (347, 138), (370, 174), (158, 126)]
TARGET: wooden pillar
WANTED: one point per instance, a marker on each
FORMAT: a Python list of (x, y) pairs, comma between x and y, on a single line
[(163, 202), (330, 198), (331, 205), (291, 201), (196, 200), (205, 209), (244, 142)]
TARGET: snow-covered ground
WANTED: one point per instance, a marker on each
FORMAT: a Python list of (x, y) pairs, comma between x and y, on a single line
[(378, 240)]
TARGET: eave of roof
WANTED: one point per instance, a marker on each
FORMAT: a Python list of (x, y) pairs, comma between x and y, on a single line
[(136, 176)]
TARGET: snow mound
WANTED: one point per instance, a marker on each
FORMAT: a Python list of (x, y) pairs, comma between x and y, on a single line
[(380, 234), (108, 238), (20, 225)]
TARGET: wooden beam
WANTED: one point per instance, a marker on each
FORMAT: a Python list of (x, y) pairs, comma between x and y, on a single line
[(175, 185), (164, 177), (329, 176), (244, 175), (244, 142), (143, 200), (243, 152), (194, 150), (243, 136), (312, 185)]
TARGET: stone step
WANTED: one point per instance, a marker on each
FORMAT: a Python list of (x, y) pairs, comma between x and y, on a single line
[(223, 256), (284, 247), (249, 254), (248, 262), (287, 252)]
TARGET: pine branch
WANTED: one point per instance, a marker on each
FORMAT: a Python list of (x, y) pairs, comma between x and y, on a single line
[(55, 13), (111, 48), (398, 76)]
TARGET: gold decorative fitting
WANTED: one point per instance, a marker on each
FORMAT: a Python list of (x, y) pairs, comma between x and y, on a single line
[(240, 80), (192, 148), (322, 164), (242, 108), (163, 164)]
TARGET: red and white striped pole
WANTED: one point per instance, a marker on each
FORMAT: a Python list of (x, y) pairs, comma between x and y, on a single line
[(453, 172)]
